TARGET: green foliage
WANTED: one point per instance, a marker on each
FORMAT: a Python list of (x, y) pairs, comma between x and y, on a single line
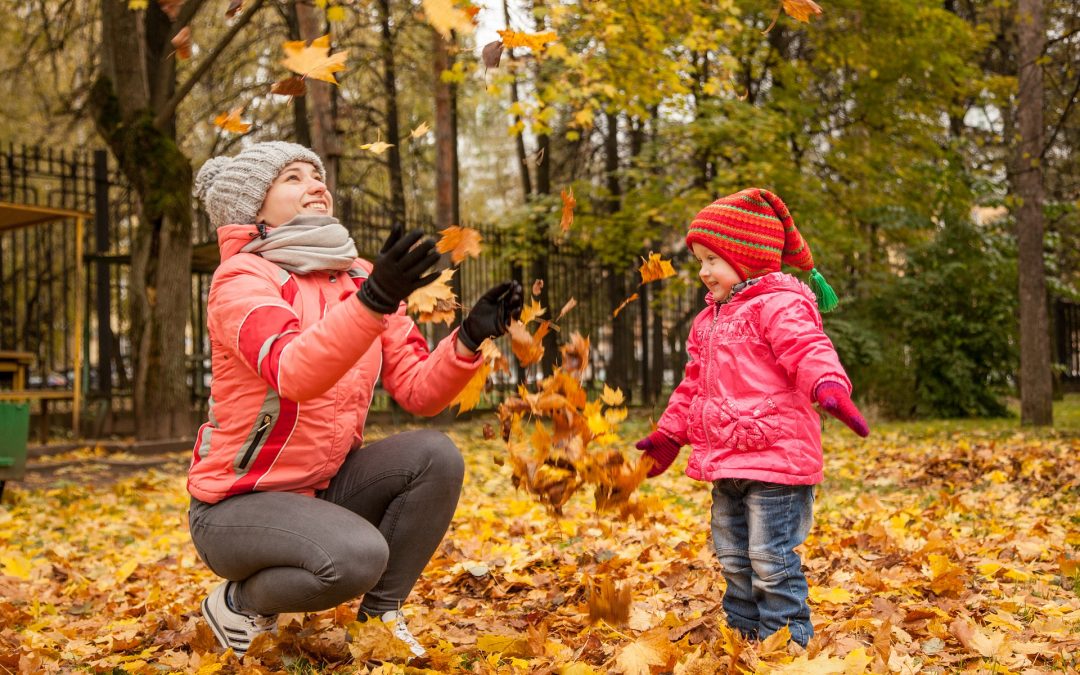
[(939, 341)]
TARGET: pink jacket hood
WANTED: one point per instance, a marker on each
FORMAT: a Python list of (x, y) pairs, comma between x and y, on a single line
[(745, 402)]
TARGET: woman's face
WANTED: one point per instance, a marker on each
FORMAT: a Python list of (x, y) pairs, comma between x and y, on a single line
[(716, 273), (298, 190)]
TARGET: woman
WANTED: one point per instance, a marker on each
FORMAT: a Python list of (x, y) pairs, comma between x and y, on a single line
[(287, 503)]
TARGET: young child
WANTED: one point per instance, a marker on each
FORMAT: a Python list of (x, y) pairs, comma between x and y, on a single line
[(758, 361)]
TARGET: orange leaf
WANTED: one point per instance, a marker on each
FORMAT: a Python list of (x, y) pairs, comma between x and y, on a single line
[(568, 204), (612, 396), (624, 304), (314, 61), (655, 269), (182, 42), (293, 85), (534, 41), (801, 10), (575, 355), (460, 243), (531, 311), (445, 17), (231, 122), (608, 602), (570, 304), (528, 348)]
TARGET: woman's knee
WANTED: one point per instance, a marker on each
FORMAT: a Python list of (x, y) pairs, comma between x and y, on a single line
[(444, 457), (358, 566)]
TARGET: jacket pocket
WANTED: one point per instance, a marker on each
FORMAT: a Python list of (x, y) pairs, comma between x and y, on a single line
[(748, 429)]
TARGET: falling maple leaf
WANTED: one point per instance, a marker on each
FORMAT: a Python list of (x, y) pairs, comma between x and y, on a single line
[(575, 355), (537, 286), (290, 86), (612, 397), (608, 601), (314, 60), (655, 269), (378, 147), (531, 311), (182, 42), (533, 41), (335, 13), (231, 122), (468, 397), (435, 302), (570, 304), (528, 347), (568, 204), (459, 242), (420, 131), (801, 10), (445, 17), (624, 304)]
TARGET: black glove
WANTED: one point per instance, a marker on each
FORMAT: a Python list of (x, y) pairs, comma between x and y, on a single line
[(491, 315), (399, 270)]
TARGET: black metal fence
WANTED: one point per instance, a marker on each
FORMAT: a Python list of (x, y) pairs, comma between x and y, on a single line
[(642, 350), (1067, 329)]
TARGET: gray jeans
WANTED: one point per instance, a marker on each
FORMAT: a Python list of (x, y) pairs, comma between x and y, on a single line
[(370, 532)]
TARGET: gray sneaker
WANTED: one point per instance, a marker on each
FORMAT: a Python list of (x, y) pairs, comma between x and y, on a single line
[(231, 628)]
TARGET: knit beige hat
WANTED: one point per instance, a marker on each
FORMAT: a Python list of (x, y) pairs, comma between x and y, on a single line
[(232, 189)]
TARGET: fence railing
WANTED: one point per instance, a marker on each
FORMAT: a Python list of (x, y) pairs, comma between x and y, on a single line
[(642, 350)]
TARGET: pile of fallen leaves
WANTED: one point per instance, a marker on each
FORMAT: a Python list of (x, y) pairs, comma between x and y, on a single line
[(933, 551)]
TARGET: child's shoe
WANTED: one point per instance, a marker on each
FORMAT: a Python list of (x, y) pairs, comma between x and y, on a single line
[(400, 629), (231, 628)]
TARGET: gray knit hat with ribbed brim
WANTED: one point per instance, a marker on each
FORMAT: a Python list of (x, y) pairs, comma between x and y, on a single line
[(232, 189)]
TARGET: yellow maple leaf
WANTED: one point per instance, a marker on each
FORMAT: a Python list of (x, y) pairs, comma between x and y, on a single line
[(378, 147), (801, 10), (568, 204), (136, 5), (435, 302), (16, 566), (335, 14), (231, 122), (468, 397), (638, 658), (533, 41), (314, 61), (836, 596), (655, 268), (420, 131), (444, 16), (611, 396), (460, 243), (531, 311)]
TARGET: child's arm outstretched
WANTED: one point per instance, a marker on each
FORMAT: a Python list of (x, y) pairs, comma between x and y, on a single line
[(662, 445), (802, 348)]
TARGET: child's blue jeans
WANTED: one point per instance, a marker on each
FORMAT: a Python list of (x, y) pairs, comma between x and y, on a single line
[(756, 527)]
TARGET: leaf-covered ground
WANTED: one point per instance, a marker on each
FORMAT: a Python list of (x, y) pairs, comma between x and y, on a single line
[(937, 548)]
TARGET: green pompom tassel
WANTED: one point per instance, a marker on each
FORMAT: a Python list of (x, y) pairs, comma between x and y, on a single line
[(826, 296)]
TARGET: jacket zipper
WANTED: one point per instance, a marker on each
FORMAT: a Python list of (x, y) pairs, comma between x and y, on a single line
[(708, 361), (255, 441)]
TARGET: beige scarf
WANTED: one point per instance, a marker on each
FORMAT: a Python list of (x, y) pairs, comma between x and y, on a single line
[(306, 244)]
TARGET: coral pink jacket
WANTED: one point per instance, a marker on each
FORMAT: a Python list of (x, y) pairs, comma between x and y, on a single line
[(295, 359), (745, 403)]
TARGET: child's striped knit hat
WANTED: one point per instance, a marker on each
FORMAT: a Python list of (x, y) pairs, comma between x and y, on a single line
[(754, 232)]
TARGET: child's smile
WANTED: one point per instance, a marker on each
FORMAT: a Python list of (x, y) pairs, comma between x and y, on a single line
[(716, 273)]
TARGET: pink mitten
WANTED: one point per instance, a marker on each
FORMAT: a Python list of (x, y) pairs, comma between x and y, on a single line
[(835, 399), (661, 449)]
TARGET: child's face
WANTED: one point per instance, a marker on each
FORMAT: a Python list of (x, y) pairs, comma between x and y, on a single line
[(298, 190), (716, 273)]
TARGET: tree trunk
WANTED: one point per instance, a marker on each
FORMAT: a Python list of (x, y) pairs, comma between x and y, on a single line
[(393, 131), (621, 370), (320, 108), (519, 139), (446, 197), (301, 128), (1036, 381)]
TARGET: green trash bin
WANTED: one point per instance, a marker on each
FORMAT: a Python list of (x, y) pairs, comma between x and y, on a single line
[(14, 433)]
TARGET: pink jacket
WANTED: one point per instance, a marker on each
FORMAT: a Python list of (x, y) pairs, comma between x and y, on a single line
[(295, 359), (745, 403)]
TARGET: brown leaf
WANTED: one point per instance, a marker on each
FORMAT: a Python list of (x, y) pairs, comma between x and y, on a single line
[(234, 8), (537, 286), (575, 355), (492, 54), (293, 85), (171, 8), (459, 242), (568, 204), (570, 304), (608, 601)]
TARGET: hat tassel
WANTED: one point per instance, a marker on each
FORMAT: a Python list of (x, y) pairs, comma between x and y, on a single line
[(826, 296)]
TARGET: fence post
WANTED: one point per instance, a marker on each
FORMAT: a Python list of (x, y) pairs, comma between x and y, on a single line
[(102, 272)]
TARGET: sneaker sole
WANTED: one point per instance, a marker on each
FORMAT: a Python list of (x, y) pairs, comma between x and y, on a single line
[(218, 631)]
